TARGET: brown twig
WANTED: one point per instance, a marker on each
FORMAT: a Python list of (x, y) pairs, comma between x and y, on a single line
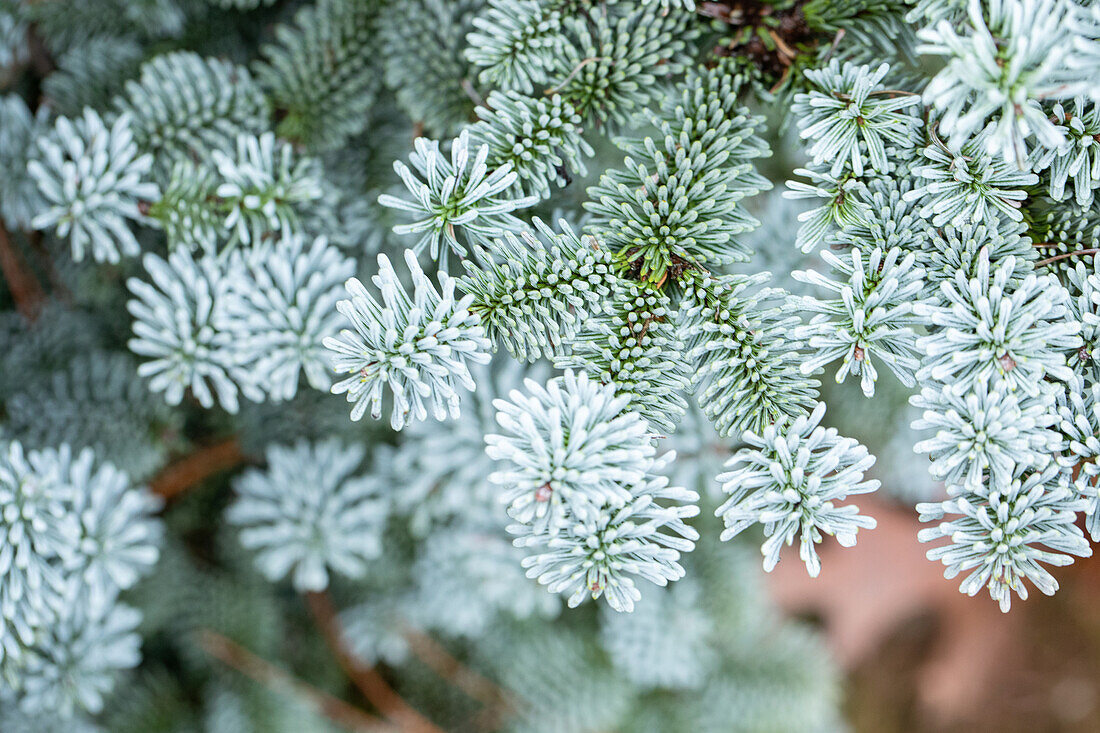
[(195, 468), (236, 656), (373, 686), (26, 291), (58, 289), (894, 93), (576, 70), (715, 10), (836, 42), (784, 49), (1064, 255), (42, 63), (782, 79), (451, 670), (468, 88)]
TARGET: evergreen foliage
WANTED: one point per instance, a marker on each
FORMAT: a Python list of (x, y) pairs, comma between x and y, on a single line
[(440, 470), (81, 535), (179, 327), (184, 106), (461, 195), (984, 432), (1007, 59), (19, 128), (539, 139), (263, 187), (602, 554), (202, 200), (969, 186), (281, 306), (13, 31), (844, 206), (1076, 162), (417, 346), (516, 43), (307, 513), (612, 59), (848, 112), (674, 203), (321, 73), (746, 371), (789, 479), (90, 176), (633, 345), (870, 318), (572, 449), (1002, 535), (91, 74), (425, 65), (95, 401), (1077, 421), (988, 327), (541, 291)]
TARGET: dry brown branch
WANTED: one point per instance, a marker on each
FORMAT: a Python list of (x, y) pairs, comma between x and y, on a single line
[(373, 686), (236, 656), (197, 467), (25, 289)]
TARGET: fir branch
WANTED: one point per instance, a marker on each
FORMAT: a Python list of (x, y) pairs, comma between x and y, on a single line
[(193, 469), (477, 686), (790, 479), (675, 201), (24, 287), (420, 347), (536, 294), (745, 361), (1064, 255), (367, 679), (236, 656)]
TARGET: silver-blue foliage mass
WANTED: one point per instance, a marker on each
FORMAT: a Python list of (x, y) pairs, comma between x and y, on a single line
[(200, 209)]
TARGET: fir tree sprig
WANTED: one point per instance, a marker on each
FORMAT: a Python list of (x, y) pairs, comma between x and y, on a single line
[(92, 178), (790, 479), (676, 200), (968, 186), (849, 114), (1009, 56), (20, 199), (634, 345), (869, 318), (745, 367), (263, 187), (244, 151), (457, 196), (516, 43), (1001, 535), (540, 289), (539, 139), (1078, 421), (982, 435), (844, 205), (420, 347), (321, 72), (307, 513), (281, 306), (1077, 160), (184, 106), (573, 450), (987, 326), (179, 327)]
